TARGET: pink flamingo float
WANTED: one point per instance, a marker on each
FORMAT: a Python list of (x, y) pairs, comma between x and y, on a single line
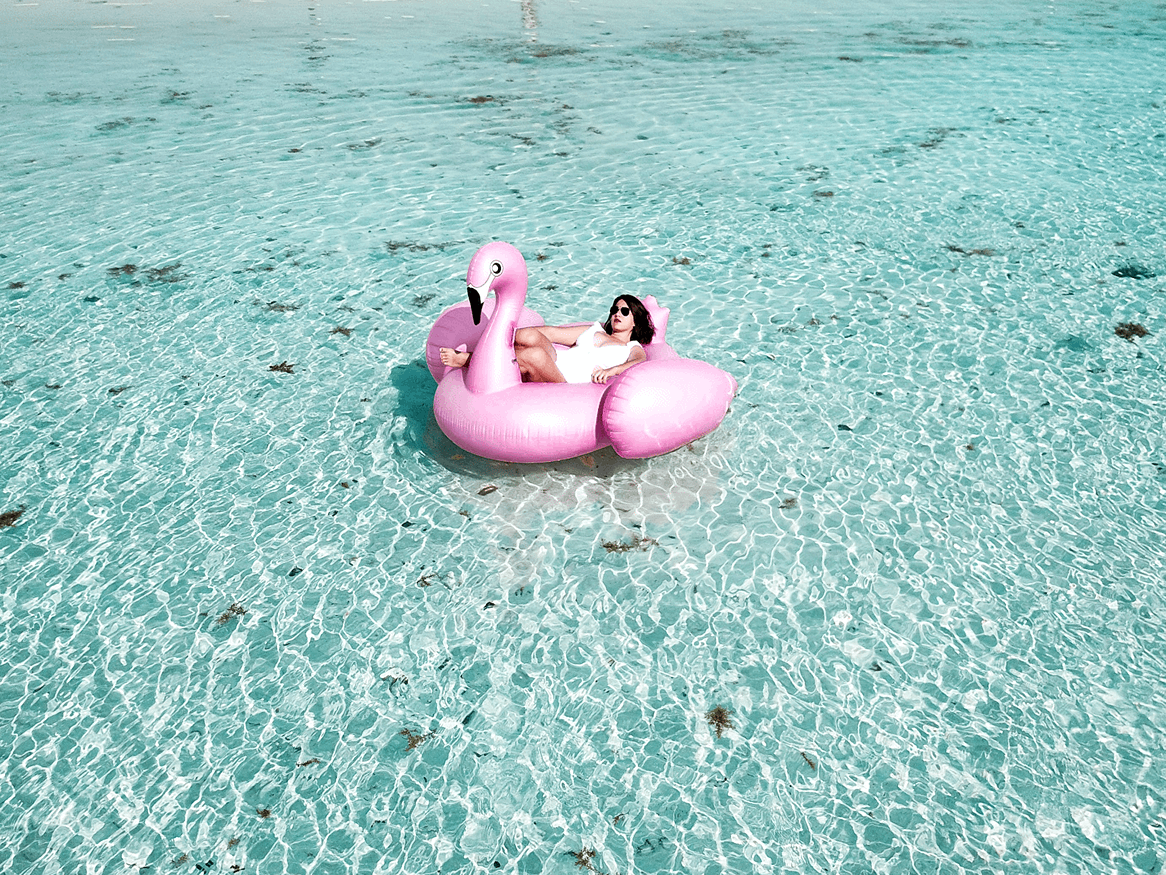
[(652, 408)]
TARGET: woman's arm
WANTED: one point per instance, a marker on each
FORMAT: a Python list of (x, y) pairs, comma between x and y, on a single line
[(602, 375)]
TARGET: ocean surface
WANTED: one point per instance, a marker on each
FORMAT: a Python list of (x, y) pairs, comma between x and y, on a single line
[(903, 612)]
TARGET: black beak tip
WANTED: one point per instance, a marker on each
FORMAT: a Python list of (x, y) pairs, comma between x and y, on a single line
[(475, 304)]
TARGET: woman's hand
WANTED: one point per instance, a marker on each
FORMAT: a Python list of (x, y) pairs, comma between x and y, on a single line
[(602, 375)]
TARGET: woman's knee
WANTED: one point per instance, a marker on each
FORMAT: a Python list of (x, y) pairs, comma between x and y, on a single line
[(527, 337)]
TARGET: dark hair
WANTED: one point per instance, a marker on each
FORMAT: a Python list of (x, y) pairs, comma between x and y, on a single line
[(644, 330)]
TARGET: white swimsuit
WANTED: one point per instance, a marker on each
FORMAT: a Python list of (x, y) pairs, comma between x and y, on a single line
[(577, 362)]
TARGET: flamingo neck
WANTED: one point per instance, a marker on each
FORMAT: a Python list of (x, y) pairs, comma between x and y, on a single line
[(492, 367)]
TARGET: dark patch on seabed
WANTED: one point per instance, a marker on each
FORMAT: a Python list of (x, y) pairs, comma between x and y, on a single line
[(415, 739), (168, 274), (235, 610), (545, 51), (1134, 272), (74, 97), (123, 122), (720, 719), (1130, 330), (725, 45), (277, 307), (935, 138), (415, 246), (637, 543), (9, 518)]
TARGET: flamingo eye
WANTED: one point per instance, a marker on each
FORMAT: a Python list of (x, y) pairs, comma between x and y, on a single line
[(496, 268)]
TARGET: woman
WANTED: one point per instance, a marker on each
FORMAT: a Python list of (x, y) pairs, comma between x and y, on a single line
[(595, 353)]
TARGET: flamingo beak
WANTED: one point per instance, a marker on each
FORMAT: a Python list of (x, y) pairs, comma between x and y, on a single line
[(475, 303)]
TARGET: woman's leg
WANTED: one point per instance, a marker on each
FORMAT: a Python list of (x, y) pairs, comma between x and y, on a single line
[(534, 353), (536, 357)]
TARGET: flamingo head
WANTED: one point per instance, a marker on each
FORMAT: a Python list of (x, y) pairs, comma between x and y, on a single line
[(499, 268)]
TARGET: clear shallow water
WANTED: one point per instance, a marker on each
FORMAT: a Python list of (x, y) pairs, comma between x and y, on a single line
[(277, 621)]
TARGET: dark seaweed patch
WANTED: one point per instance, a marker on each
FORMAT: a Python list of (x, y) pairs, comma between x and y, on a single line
[(123, 122), (583, 858), (9, 517), (720, 719), (235, 610), (414, 738), (167, 274), (117, 390), (1135, 272), (283, 367), (364, 145), (124, 270), (420, 301), (935, 138), (636, 543), (544, 51), (17, 285), (73, 98), (725, 45), (339, 329), (412, 246), (927, 46), (1130, 330), (962, 251)]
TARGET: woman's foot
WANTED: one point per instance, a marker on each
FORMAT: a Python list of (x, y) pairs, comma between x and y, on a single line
[(451, 358)]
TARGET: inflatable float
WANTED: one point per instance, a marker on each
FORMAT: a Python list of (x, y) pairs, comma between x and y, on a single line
[(651, 408)]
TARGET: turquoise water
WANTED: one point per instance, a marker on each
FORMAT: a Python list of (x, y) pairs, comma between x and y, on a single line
[(276, 621)]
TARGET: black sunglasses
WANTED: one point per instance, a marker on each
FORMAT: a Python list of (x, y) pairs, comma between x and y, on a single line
[(627, 311)]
